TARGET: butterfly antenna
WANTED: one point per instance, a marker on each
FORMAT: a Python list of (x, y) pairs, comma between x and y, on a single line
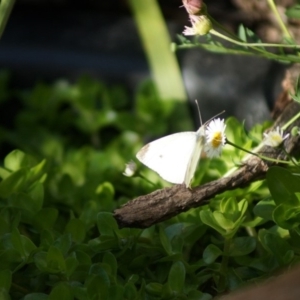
[(222, 112), (199, 112)]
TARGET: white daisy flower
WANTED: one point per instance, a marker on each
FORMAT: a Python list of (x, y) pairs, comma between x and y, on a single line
[(275, 137), (130, 169), (215, 137), (201, 25)]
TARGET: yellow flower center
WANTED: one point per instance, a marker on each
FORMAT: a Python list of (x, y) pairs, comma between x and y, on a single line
[(217, 139), (277, 137)]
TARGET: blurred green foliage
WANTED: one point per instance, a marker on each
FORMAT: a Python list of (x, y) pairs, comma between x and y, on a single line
[(62, 178)]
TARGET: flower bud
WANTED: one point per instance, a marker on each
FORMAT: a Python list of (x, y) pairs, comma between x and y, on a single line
[(203, 25), (130, 169), (295, 131), (194, 7)]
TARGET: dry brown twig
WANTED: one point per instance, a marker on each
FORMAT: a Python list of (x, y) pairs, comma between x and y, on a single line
[(163, 204)]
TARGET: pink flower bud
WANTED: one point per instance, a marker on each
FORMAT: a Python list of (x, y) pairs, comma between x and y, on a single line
[(194, 7)]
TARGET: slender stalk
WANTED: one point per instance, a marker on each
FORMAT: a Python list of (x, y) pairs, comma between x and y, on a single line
[(5, 10), (251, 231), (224, 265), (264, 54), (256, 154), (156, 41), (291, 121), (145, 178), (279, 20), (216, 33)]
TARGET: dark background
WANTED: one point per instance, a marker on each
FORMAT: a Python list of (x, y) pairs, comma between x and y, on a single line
[(47, 40)]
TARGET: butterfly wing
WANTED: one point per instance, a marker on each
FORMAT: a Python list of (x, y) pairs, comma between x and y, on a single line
[(170, 156), (195, 156)]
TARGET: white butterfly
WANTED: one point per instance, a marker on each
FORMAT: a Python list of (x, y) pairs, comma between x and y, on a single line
[(175, 157)]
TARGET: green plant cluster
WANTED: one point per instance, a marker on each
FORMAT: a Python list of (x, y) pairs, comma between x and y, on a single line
[(61, 179)]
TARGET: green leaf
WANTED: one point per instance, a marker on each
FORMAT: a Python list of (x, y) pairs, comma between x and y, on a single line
[(287, 215), (211, 253), (208, 218), (283, 185), (55, 260), (242, 206), (37, 171), (110, 259), (235, 132), (5, 279), (13, 183), (176, 278), (277, 246), (96, 285), (4, 173), (229, 206), (105, 190), (79, 292), (154, 288), (242, 246), (293, 12), (83, 258), (36, 296), (4, 295), (4, 226), (71, 264), (117, 292), (45, 218), (15, 160), (242, 33), (228, 220), (165, 241), (197, 295), (104, 243), (90, 213), (139, 260), (40, 260), (76, 228), (22, 244), (106, 224), (61, 291), (26, 203), (36, 192), (264, 209), (226, 223), (100, 269), (130, 291), (64, 243), (174, 230)]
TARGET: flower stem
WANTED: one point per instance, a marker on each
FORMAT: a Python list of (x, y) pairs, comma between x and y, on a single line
[(291, 121), (5, 10), (216, 33), (224, 265), (145, 178), (279, 19), (256, 154)]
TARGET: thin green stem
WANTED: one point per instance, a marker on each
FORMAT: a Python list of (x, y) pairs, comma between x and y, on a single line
[(216, 33), (256, 154), (222, 27), (224, 264), (292, 159), (279, 20), (156, 42), (5, 10), (251, 231), (145, 178), (219, 49), (291, 121)]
